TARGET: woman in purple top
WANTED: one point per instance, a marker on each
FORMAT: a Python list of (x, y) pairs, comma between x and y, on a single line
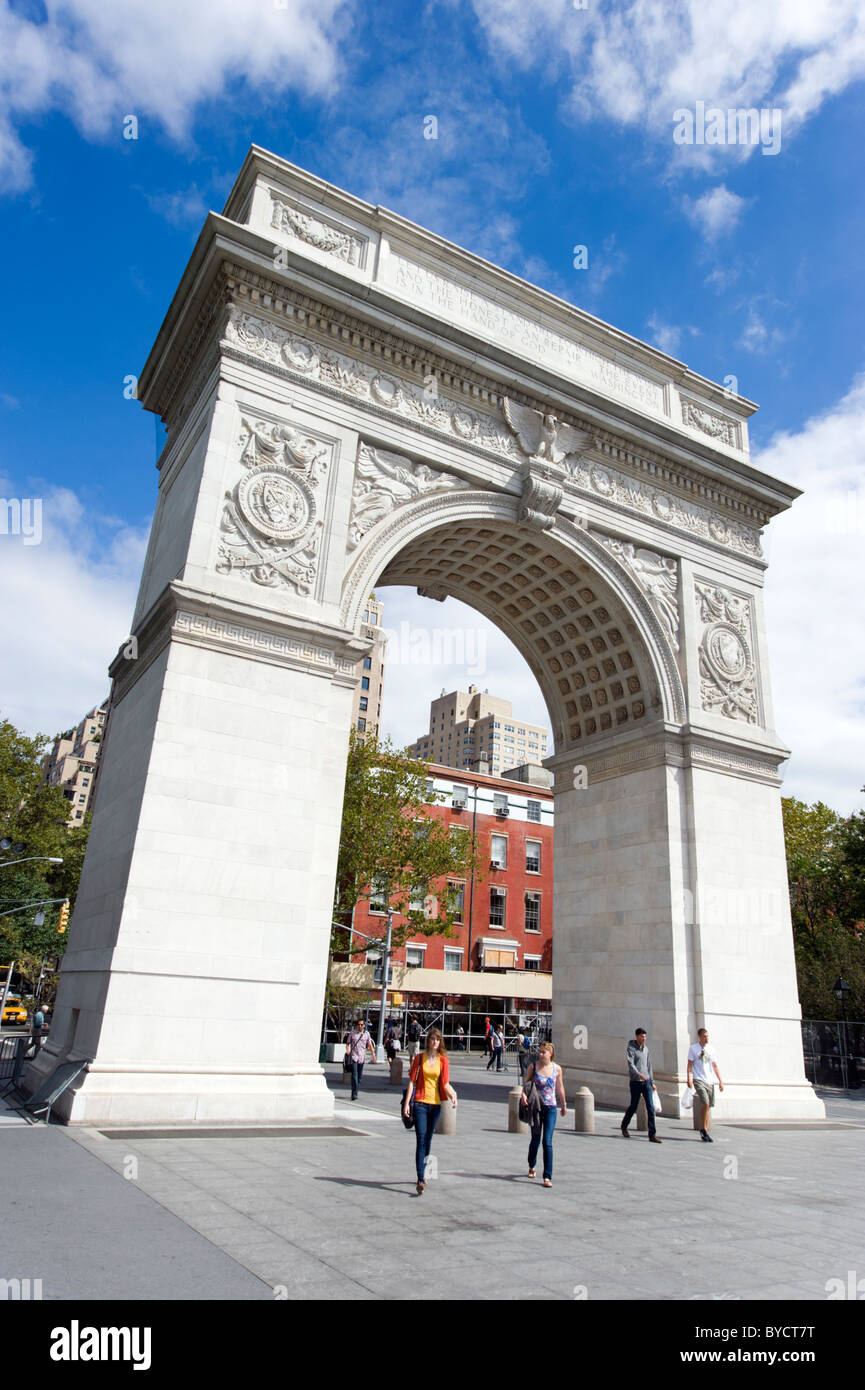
[(547, 1077), (356, 1044)]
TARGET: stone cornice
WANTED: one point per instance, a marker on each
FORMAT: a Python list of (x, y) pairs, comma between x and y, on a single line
[(182, 615), (664, 745)]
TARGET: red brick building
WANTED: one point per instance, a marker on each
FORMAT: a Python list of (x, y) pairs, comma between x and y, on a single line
[(500, 960)]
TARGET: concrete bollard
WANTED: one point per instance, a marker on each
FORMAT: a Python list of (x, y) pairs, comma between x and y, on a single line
[(447, 1119), (515, 1124), (642, 1117), (396, 1072), (584, 1111)]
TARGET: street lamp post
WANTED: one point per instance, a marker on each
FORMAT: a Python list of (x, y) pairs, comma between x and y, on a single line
[(841, 989), (32, 859)]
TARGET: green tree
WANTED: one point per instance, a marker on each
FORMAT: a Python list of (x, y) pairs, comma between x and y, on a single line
[(392, 848), (34, 815), (826, 876)]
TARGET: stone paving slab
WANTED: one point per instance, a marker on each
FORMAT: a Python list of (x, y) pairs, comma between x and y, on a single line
[(336, 1216)]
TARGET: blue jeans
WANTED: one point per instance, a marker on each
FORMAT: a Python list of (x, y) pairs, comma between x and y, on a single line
[(356, 1078), (545, 1127), (641, 1088), (425, 1121)]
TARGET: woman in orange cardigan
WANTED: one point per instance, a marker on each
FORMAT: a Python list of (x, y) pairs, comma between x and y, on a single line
[(429, 1083)]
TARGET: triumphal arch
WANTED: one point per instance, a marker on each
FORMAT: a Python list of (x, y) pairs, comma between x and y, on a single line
[(351, 401)]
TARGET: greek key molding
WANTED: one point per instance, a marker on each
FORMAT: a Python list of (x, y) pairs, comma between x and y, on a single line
[(255, 641), (481, 430)]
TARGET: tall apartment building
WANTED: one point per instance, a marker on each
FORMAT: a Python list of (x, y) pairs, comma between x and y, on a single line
[(73, 763), (470, 729), (366, 710)]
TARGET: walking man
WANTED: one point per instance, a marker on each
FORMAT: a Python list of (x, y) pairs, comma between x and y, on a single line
[(702, 1071), (497, 1043), (642, 1084), (38, 1027), (413, 1037), (356, 1045)]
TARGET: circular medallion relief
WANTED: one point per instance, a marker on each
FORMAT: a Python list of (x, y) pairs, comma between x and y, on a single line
[(662, 505), (301, 355), (602, 482), (276, 504), (726, 652), (385, 390), (719, 529), (465, 423)]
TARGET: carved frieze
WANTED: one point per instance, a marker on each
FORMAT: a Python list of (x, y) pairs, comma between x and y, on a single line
[(657, 577), (270, 530), (333, 241), (728, 675), (487, 429), (383, 481), (697, 417)]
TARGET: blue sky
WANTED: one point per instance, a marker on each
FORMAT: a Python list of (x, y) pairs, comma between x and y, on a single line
[(555, 128)]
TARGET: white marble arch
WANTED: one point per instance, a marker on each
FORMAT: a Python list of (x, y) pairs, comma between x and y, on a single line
[(351, 401)]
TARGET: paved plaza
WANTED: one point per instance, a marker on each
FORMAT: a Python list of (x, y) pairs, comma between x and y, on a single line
[(330, 1211)]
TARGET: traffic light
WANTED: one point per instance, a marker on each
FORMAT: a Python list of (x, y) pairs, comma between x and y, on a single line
[(64, 918)]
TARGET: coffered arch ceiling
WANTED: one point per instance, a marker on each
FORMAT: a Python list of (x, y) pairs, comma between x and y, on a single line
[(598, 653)]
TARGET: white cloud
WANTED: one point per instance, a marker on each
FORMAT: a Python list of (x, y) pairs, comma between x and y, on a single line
[(757, 336), (715, 213), (96, 61), (815, 617), (667, 336), (188, 205), (638, 61), (69, 605)]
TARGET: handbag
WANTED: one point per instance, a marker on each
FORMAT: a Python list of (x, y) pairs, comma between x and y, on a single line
[(409, 1123), (528, 1108), (346, 1062)]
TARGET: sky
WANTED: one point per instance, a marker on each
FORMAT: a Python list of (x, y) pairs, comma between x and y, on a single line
[(559, 124)]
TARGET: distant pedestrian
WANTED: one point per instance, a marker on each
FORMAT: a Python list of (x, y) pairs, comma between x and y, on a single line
[(487, 1031), (414, 1035), (461, 1039), (357, 1043), (642, 1084), (392, 1042), (702, 1072), (524, 1052), (545, 1078), (429, 1085), (37, 1028), (497, 1047)]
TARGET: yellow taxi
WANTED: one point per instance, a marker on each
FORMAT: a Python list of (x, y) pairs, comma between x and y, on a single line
[(14, 1012)]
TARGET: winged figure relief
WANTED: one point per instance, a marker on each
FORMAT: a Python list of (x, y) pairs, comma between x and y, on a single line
[(544, 436)]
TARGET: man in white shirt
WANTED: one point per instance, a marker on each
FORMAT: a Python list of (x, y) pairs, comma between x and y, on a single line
[(702, 1071)]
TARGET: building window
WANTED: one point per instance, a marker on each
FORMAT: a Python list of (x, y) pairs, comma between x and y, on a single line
[(497, 907), (533, 911), (499, 851), (457, 897), (361, 724), (374, 958), (500, 803), (82, 797), (367, 663), (378, 896), (453, 960), (85, 781), (533, 810), (532, 962), (78, 815), (364, 703), (459, 796), (364, 682), (501, 960), (417, 897), (414, 956), (533, 856)]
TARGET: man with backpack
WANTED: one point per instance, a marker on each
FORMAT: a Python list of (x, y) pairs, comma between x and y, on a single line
[(414, 1036)]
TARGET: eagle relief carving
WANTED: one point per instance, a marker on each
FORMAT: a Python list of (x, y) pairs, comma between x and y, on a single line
[(270, 533), (551, 452)]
